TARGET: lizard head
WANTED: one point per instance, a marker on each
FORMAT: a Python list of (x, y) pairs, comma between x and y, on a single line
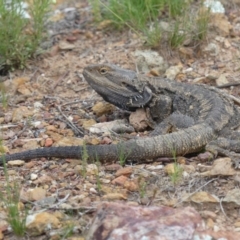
[(118, 86)]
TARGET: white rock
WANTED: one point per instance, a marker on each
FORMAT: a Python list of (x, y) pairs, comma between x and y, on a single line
[(93, 190), (212, 48), (33, 176), (38, 105), (149, 59), (172, 72), (214, 6)]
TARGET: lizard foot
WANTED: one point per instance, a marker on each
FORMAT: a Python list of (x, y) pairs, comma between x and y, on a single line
[(227, 148)]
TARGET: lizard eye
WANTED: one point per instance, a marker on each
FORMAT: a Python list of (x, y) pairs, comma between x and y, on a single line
[(103, 70)]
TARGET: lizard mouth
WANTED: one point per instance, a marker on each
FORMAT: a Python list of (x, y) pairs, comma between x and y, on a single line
[(124, 90), (136, 100)]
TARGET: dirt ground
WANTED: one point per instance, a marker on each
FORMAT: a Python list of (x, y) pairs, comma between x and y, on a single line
[(50, 104)]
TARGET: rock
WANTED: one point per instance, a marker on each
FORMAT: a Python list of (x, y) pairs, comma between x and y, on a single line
[(172, 72), (31, 145), (87, 123), (24, 91), (123, 221), (233, 196), (46, 202), (165, 26), (16, 163), (1, 235), (149, 59), (93, 191), (186, 53), (20, 113), (70, 141), (212, 49), (208, 214), (188, 168), (214, 6), (139, 120), (236, 30), (127, 171), (101, 108), (38, 105), (114, 196), (118, 126), (237, 224), (29, 165), (33, 176), (222, 80), (220, 167), (210, 223), (48, 142), (220, 24), (18, 82), (216, 233), (33, 194), (106, 140), (131, 186), (43, 179), (63, 45), (203, 197), (113, 167), (92, 169), (38, 223), (120, 180), (154, 167), (171, 168)]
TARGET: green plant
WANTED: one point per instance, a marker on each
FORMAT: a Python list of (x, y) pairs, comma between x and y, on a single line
[(10, 198), (176, 174), (3, 96), (132, 13), (20, 36), (202, 21), (96, 10), (99, 185), (84, 160), (176, 7), (123, 153), (143, 17), (67, 231), (177, 36), (142, 186), (153, 35)]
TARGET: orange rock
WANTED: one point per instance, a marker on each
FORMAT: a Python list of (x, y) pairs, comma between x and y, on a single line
[(33, 194), (120, 180), (127, 171), (131, 186), (114, 196), (38, 223), (48, 142), (29, 165), (113, 167)]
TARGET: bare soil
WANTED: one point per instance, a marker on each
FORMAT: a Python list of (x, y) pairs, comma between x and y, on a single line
[(50, 104)]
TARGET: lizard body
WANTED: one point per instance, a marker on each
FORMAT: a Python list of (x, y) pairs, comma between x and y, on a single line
[(202, 115)]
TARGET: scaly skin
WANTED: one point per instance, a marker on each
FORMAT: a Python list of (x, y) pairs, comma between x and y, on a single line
[(212, 111)]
